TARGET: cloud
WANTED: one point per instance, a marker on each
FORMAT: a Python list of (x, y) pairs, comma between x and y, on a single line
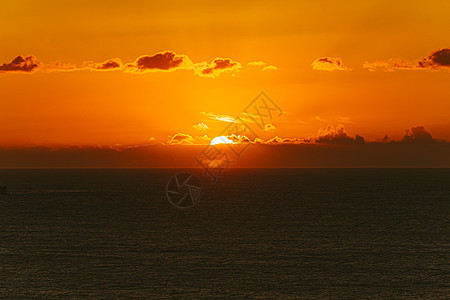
[(418, 135), (58, 66), (21, 64), (320, 119), (239, 139), (201, 126), (217, 67), (264, 66), (329, 64), (336, 135), (162, 61), (257, 63), (109, 65), (269, 127), (270, 68), (345, 120), (243, 118), (186, 139), (202, 140), (153, 141), (278, 140), (389, 65), (437, 60), (181, 138), (223, 118), (167, 60)]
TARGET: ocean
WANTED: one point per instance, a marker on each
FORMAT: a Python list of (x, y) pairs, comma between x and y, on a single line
[(256, 233)]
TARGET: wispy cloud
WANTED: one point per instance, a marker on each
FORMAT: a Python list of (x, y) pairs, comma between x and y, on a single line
[(223, 118), (262, 65), (344, 120), (320, 119)]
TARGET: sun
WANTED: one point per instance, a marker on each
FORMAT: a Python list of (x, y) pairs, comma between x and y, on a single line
[(221, 140)]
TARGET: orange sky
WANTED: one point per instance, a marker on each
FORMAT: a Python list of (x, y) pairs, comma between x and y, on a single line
[(323, 62)]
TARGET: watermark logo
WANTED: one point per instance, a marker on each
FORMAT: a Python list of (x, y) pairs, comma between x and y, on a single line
[(184, 190)]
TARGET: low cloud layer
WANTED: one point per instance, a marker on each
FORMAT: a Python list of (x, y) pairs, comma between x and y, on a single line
[(279, 155), (331, 135), (437, 60), (389, 65), (161, 61), (329, 64)]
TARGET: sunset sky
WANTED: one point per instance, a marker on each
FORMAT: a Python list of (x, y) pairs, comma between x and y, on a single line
[(124, 74)]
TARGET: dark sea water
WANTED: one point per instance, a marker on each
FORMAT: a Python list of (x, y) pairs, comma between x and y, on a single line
[(256, 233)]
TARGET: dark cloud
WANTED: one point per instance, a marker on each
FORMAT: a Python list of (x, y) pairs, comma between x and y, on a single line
[(337, 135), (21, 64), (418, 135), (161, 61), (437, 59)]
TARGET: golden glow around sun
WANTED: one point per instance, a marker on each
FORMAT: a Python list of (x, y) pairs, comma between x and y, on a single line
[(221, 140)]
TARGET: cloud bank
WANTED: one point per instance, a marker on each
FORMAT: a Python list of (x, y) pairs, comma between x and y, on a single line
[(160, 62), (331, 135), (436, 60)]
